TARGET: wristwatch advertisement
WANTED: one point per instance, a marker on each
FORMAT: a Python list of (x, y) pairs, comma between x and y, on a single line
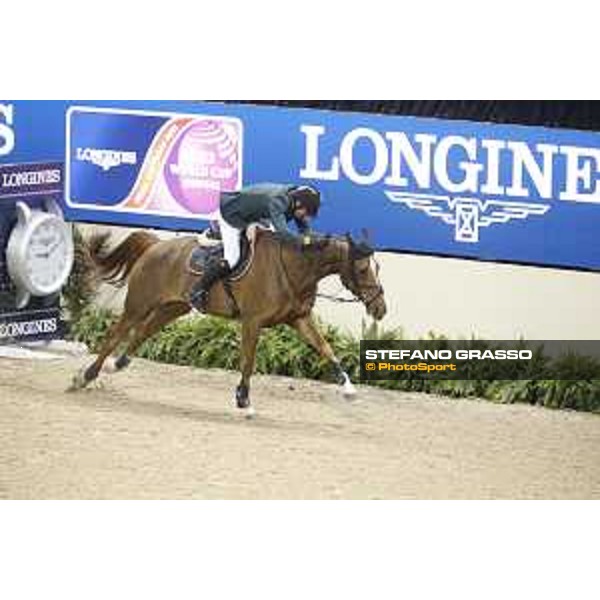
[(36, 251)]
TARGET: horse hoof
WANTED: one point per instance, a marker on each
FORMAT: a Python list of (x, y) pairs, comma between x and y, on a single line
[(348, 389), (242, 398), (349, 394), (110, 366), (78, 382), (115, 365), (248, 412)]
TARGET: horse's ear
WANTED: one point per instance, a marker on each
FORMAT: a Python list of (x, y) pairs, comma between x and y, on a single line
[(366, 235)]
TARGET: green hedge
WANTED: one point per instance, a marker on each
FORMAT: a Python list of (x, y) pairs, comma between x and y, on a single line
[(212, 342)]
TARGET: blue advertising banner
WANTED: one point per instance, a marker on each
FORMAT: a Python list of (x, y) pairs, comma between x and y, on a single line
[(451, 188)]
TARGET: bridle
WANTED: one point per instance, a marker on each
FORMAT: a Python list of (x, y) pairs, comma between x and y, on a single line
[(363, 295), (375, 290)]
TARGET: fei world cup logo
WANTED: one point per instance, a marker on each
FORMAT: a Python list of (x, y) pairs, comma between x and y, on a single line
[(189, 163)]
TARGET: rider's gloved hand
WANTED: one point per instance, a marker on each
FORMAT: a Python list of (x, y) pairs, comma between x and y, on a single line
[(313, 242)]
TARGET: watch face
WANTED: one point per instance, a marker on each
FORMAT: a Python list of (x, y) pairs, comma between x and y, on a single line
[(48, 256)]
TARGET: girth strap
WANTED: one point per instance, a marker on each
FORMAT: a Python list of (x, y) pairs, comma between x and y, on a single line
[(235, 309)]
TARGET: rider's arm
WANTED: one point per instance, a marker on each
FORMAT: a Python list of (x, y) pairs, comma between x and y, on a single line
[(278, 219)]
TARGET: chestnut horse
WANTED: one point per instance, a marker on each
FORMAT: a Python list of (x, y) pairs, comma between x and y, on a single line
[(280, 286)]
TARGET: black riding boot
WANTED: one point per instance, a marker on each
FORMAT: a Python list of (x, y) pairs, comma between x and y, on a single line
[(199, 294)]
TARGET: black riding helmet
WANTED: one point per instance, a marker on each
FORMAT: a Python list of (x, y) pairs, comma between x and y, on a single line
[(307, 197)]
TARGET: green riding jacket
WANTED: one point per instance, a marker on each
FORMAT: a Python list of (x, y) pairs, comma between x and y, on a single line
[(263, 202)]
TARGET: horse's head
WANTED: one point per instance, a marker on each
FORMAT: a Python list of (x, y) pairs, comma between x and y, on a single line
[(360, 275)]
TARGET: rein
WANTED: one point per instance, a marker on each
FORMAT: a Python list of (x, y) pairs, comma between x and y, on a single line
[(336, 297)]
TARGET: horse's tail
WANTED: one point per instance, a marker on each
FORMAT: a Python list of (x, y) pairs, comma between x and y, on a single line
[(114, 265)]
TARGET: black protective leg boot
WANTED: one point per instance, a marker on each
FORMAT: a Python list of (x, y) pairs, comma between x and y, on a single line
[(199, 294)]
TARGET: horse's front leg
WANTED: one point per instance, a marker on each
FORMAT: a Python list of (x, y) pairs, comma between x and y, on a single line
[(307, 329), (250, 334)]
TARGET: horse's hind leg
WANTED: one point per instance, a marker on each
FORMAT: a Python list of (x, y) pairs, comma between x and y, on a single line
[(250, 334), (116, 335), (310, 333), (153, 323)]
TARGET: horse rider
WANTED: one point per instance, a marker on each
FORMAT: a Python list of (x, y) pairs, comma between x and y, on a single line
[(276, 204)]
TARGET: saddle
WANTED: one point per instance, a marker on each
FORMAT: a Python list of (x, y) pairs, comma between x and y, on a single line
[(210, 250)]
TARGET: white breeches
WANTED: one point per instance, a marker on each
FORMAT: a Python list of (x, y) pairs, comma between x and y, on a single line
[(231, 242)]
